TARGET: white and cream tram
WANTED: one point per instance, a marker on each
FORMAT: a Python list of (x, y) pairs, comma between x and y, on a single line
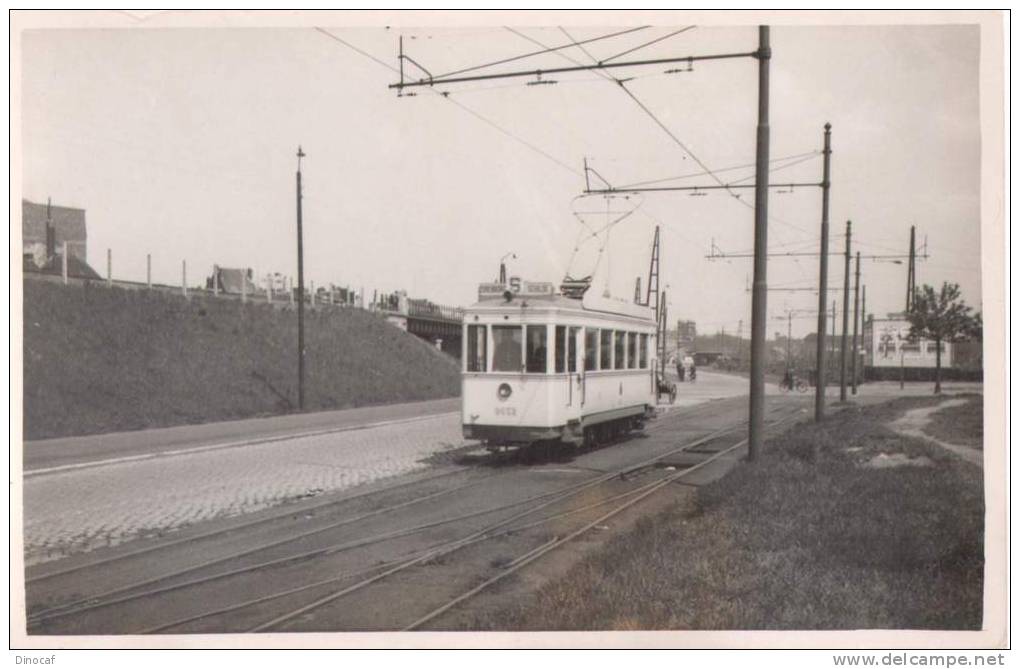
[(540, 365)]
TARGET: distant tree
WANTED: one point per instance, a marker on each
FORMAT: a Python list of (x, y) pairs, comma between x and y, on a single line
[(941, 317)]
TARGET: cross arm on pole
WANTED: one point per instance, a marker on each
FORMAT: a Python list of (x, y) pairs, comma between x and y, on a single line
[(433, 81), (649, 189)]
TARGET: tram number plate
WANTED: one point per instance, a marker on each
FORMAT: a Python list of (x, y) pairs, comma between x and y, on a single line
[(506, 411)]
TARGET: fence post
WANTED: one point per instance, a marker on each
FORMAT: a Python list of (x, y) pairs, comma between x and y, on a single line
[(63, 263), (109, 267), (216, 280), (148, 270), (184, 278)]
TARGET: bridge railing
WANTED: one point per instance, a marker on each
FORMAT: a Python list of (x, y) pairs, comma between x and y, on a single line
[(427, 309)]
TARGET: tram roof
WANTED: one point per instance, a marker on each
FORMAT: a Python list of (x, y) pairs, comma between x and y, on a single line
[(589, 303)]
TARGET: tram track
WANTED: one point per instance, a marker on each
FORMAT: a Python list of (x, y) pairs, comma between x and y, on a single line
[(284, 511), (630, 497), (431, 552), (501, 527), (525, 559)]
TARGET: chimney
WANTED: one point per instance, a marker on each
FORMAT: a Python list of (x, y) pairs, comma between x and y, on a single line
[(51, 234)]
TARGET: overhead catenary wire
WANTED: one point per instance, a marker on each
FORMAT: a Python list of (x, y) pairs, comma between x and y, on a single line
[(544, 50), (622, 84), (493, 125), (731, 168), (467, 109), (642, 46)]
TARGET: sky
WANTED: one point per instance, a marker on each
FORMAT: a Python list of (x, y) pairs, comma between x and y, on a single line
[(181, 143)]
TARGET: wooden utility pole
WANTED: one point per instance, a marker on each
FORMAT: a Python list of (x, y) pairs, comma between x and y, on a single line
[(910, 271), (846, 314), (853, 346), (301, 291), (661, 338), (823, 278), (832, 337), (759, 296), (109, 267), (864, 323), (789, 337), (148, 270)]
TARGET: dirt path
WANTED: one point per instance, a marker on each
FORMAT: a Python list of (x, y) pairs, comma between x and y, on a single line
[(911, 424)]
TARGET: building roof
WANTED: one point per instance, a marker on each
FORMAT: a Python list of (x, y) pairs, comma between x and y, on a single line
[(69, 222), (233, 280), (76, 267)]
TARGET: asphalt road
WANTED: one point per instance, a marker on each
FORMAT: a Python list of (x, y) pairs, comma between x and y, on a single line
[(47, 455), (66, 452)]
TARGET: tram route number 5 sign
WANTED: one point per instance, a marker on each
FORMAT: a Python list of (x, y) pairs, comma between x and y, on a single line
[(489, 291)]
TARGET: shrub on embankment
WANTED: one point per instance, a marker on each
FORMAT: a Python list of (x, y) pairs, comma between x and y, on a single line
[(99, 359)]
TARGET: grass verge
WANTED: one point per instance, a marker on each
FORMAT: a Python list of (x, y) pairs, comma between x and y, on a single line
[(963, 425), (805, 538)]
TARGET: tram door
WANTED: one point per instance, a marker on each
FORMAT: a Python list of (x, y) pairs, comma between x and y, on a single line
[(571, 364)]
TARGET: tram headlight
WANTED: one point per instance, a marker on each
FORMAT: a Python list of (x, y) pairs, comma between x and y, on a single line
[(504, 391)]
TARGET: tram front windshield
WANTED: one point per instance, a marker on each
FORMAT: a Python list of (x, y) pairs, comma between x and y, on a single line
[(506, 348)]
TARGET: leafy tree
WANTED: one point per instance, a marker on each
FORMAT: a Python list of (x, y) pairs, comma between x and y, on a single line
[(941, 317)]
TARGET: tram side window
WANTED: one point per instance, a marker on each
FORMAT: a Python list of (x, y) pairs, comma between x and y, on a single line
[(643, 351), (476, 348), (561, 349), (591, 349), (536, 352), (572, 349), (631, 350), (506, 348), (621, 348), (606, 350)]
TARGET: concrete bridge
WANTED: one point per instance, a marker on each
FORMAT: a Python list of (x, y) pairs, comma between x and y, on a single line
[(435, 323)]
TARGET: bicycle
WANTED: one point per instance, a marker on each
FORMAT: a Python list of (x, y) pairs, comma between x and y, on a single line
[(794, 383)]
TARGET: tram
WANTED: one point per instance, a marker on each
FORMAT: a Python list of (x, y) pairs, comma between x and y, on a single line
[(567, 365)]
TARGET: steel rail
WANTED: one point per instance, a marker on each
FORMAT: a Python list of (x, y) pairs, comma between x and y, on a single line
[(485, 532), (89, 603), (266, 598), (284, 512), (534, 554)]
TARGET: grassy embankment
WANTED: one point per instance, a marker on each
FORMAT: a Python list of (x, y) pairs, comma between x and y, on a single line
[(806, 538), (101, 359)]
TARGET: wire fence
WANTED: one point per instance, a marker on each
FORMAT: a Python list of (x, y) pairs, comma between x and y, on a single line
[(240, 285)]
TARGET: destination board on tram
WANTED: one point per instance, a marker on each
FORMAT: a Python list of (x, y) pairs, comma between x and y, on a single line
[(519, 288)]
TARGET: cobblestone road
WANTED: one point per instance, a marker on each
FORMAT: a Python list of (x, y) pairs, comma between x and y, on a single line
[(80, 510)]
